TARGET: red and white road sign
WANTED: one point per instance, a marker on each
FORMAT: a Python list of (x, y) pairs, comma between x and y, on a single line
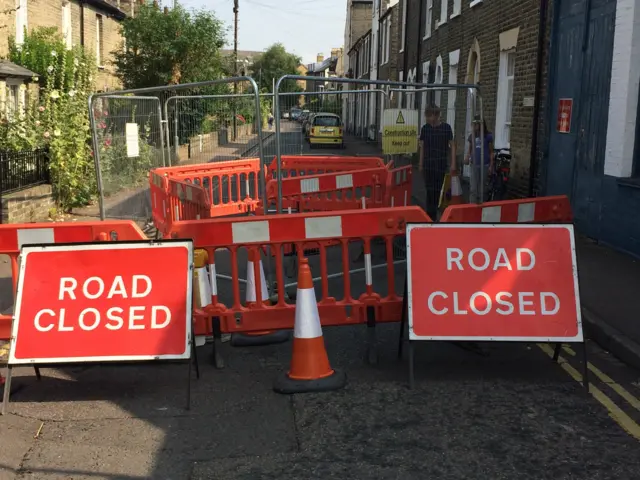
[(103, 302), (493, 282)]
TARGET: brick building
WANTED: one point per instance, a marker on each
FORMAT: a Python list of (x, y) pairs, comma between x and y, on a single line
[(493, 43), (356, 113), (91, 23)]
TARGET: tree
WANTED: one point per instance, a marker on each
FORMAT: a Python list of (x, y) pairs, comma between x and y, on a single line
[(175, 46), (273, 64)]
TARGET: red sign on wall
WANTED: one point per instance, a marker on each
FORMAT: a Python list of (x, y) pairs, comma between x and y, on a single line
[(103, 302), (493, 282), (565, 108)]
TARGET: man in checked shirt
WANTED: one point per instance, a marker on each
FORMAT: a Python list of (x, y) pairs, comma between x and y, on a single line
[(437, 146)]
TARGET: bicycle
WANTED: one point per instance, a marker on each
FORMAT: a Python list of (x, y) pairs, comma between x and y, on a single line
[(499, 179)]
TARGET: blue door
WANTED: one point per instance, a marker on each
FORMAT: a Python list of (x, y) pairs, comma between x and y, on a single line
[(581, 63)]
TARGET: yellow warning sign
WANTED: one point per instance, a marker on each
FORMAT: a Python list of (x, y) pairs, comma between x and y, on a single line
[(400, 131)]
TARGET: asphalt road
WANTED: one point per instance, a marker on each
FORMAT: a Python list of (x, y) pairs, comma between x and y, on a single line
[(510, 413)]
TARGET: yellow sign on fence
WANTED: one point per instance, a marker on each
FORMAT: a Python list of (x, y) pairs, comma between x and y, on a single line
[(400, 131)]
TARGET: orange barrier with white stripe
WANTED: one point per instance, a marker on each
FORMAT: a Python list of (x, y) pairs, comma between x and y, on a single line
[(14, 236), (305, 231), (398, 188), (526, 210), (332, 191), (307, 165)]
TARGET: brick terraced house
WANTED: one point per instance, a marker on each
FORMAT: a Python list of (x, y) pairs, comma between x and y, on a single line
[(91, 23), (493, 43)]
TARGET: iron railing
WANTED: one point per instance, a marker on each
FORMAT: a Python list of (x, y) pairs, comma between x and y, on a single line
[(23, 169)]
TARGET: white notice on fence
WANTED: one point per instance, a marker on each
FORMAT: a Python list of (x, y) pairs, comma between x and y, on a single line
[(133, 148)]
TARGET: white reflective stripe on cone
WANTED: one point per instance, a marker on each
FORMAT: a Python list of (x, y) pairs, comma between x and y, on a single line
[(307, 319), (251, 286), (212, 279)]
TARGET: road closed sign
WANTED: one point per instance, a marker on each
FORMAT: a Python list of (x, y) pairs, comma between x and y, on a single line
[(400, 131), (103, 302), (493, 282)]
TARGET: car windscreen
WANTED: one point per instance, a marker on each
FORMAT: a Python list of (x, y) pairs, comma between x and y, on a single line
[(326, 121)]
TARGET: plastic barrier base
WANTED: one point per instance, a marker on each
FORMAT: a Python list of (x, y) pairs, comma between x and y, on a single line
[(241, 340), (285, 384)]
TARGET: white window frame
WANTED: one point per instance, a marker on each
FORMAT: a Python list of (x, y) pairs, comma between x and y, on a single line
[(444, 7), (504, 103), (411, 97), (16, 99), (471, 100), (404, 25), (454, 58), (67, 33), (425, 80), (473, 3), (383, 40), (457, 8), (22, 14), (367, 56), (428, 20), (99, 40), (388, 37), (439, 78)]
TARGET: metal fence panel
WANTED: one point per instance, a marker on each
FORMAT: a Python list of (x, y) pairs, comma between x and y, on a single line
[(138, 130), (379, 118)]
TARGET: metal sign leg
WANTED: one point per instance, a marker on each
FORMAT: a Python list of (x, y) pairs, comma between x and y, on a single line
[(585, 366), (412, 380), (372, 348), (7, 392), (403, 321), (218, 361)]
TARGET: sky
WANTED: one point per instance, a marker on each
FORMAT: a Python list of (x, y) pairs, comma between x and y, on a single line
[(304, 27)]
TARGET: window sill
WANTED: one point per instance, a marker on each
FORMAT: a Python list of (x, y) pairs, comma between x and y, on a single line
[(440, 24), (455, 15), (633, 182), (427, 37), (475, 3)]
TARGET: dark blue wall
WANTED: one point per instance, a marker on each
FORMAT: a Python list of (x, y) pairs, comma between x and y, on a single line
[(620, 217)]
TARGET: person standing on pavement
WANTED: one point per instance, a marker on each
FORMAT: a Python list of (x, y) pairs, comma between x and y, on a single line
[(474, 157), (437, 147)]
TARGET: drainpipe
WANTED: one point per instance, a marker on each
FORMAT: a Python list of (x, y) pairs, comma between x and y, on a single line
[(82, 24), (419, 71), (542, 27)]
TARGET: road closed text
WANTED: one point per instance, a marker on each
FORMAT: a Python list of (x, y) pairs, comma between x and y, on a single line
[(518, 261), (103, 306)]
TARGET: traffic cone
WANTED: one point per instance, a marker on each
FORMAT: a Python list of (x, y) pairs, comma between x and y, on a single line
[(456, 190), (310, 370), (265, 337)]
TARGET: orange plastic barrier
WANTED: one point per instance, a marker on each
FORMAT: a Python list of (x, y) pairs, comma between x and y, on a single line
[(309, 230), (332, 191), (399, 186), (14, 236), (305, 165), (527, 210)]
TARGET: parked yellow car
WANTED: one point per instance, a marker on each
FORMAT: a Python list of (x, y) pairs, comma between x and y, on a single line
[(326, 129)]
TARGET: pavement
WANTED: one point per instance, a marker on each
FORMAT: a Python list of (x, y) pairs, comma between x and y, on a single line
[(510, 413)]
